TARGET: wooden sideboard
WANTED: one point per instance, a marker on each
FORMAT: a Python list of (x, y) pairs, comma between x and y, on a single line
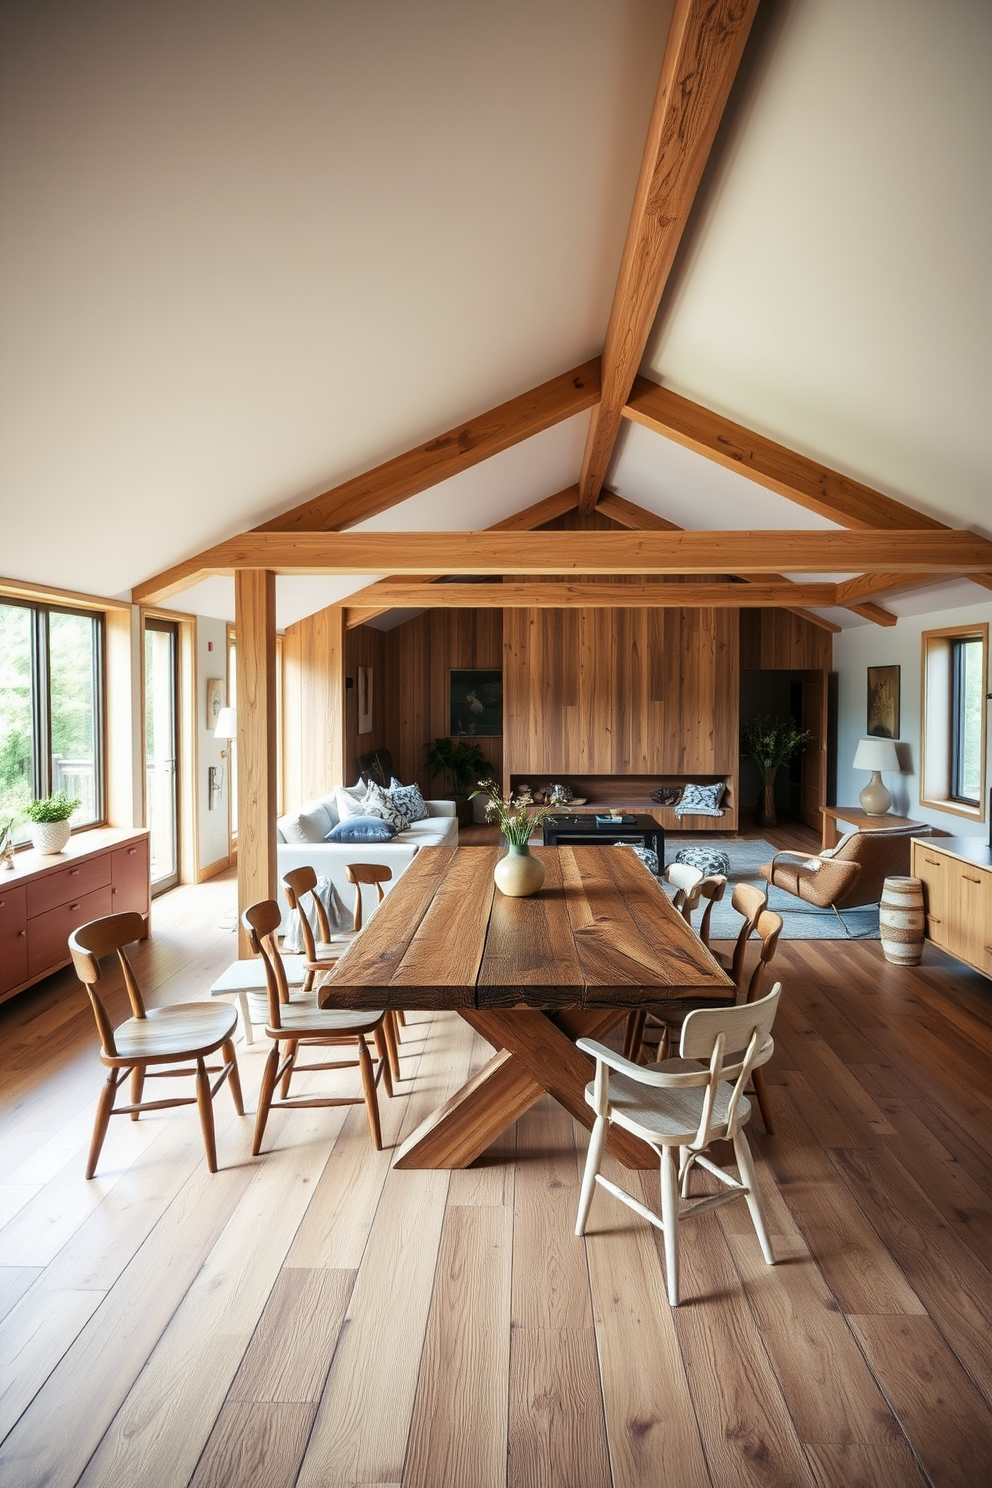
[(956, 873), (44, 898)]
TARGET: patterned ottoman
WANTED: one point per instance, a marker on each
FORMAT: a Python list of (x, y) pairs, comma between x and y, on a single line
[(707, 859)]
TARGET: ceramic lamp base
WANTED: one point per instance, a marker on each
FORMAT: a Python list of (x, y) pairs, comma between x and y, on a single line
[(875, 799)]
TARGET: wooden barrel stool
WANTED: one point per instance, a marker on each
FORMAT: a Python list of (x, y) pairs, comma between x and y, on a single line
[(901, 921)]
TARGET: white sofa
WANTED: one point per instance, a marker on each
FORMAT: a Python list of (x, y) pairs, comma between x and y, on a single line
[(300, 841)]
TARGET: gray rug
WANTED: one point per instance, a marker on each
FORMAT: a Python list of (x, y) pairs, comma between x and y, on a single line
[(800, 921)]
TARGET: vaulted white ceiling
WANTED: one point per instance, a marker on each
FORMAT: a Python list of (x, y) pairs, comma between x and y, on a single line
[(253, 249)]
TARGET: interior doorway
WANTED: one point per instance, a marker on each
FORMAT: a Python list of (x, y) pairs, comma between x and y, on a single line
[(801, 785), (162, 750)]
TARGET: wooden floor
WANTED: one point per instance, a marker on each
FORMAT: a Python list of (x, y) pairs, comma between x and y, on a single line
[(314, 1317)]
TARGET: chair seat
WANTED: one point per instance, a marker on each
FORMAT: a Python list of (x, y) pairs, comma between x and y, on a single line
[(677, 1124), (249, 975), (306, 1020), (175, 1032)]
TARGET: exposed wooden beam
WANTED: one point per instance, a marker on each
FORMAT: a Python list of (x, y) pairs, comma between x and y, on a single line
[(556, 596), (587, 552), (875, 613), (865, 585), (446, 455), (629, 514), (705, 43), (371, 601)]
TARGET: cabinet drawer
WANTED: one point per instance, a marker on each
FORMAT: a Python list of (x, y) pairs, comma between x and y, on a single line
[(49, 932), (68, 883), (13, 937), (130, 877)]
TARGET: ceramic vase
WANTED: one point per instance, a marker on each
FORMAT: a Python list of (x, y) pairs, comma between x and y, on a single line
[(50, 837), (518, 874), (766, 815)]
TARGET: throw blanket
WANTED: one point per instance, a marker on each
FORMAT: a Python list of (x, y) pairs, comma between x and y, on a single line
[(338, 917)]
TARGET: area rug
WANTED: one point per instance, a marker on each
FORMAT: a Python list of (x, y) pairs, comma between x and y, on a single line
[(800, 921)]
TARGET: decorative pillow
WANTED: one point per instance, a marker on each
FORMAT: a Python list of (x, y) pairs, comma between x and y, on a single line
[(308, 825), (362, 829), (701, 800), (378, 802), (410, 800), (348, 800)]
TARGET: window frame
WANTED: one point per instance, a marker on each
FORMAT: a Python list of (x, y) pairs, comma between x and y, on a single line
[(41, 700), (940, 709)]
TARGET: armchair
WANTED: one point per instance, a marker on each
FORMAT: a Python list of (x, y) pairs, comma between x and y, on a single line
[(847, 876)]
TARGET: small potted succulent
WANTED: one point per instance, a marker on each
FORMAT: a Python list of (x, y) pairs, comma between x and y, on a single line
[(50, 821)]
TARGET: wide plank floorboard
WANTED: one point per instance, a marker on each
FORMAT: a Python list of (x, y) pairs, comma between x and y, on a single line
[(314, 1316)]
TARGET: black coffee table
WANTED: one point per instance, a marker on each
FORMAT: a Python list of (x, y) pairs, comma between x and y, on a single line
[(640, 828)]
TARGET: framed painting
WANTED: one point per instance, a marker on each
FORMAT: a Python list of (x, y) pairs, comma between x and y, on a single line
[(215, 701), (883, 702), (476, 703)]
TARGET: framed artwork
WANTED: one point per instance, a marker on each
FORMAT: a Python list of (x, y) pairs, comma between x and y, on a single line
[(364, 700), (883, 702), (215, 701), (476, 703)]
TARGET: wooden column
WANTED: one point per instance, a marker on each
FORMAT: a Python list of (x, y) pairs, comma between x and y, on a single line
[(255, 623)]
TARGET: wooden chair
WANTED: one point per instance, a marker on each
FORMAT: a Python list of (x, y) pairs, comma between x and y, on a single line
[(321, 954), (152, 1037), (246, 980), (687, 882), (292, 1023), (686, 1103), (749, 903)]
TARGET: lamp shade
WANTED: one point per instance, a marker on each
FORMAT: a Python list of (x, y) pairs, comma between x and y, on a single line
[(873, 754), (226, 726)]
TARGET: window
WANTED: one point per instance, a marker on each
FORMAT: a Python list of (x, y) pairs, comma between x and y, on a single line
[(953, 725), (51, 709)]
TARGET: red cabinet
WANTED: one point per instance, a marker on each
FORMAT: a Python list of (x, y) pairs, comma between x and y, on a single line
[(13, 937)]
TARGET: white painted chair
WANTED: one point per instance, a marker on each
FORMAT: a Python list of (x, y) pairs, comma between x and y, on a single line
[(686, 881), (246, 980), (686, 1103)]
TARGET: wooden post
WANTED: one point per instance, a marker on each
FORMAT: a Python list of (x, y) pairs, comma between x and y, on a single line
[(255, 622)]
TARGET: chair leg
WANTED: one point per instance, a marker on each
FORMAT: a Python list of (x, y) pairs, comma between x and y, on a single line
[(105, 1106), (635, 1031), (205, 1106), (234, 1077), (670, 1220), (392, 1043), (368, 1085), (594, 1157), (292, 1048), (382, 1049), (748, 1172), (245, 1018), (764, 1100), (265, 1097), (843, 922), (137, 1088)]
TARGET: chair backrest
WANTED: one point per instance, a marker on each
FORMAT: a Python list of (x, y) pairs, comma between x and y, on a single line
[(711, 891), (769, 928), (731, 1040), (749, 902), (367, 873), (298, 883), (882, 854), (262, 921), (87, 945), (686, 881)]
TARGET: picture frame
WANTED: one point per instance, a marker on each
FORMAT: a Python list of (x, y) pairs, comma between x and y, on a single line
[(364, 689), (215, 701), (883, 702), (476, 703)]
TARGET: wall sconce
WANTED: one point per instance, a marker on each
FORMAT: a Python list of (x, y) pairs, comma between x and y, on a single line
[(226, 728)]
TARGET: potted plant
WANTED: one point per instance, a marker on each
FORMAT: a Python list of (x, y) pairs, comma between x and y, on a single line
[(518, 874), (770, 742), (50, 821), (460, 764)]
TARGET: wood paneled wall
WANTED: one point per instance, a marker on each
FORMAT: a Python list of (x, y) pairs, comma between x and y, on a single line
[(364, 646), (778, 640), (419, 657), (313, 741), (600, 692)]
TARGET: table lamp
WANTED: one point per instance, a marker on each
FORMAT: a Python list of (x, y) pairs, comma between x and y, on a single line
[(875, 755)]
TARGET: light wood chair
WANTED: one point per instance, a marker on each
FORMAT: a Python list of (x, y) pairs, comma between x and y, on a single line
[(323, 953), (711, 891), (686, 1103), (294, 1022), (152, 1037), (687, 882)]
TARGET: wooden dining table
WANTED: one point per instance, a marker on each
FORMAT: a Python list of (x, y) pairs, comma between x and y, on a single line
[(531, 975)]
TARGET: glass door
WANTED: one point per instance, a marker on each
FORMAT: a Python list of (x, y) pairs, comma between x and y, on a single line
[(162, 750)]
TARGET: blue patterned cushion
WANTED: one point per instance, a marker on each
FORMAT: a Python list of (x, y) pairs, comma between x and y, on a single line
[(378, 802), (410, 800), (701, 800), (362, 829)]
